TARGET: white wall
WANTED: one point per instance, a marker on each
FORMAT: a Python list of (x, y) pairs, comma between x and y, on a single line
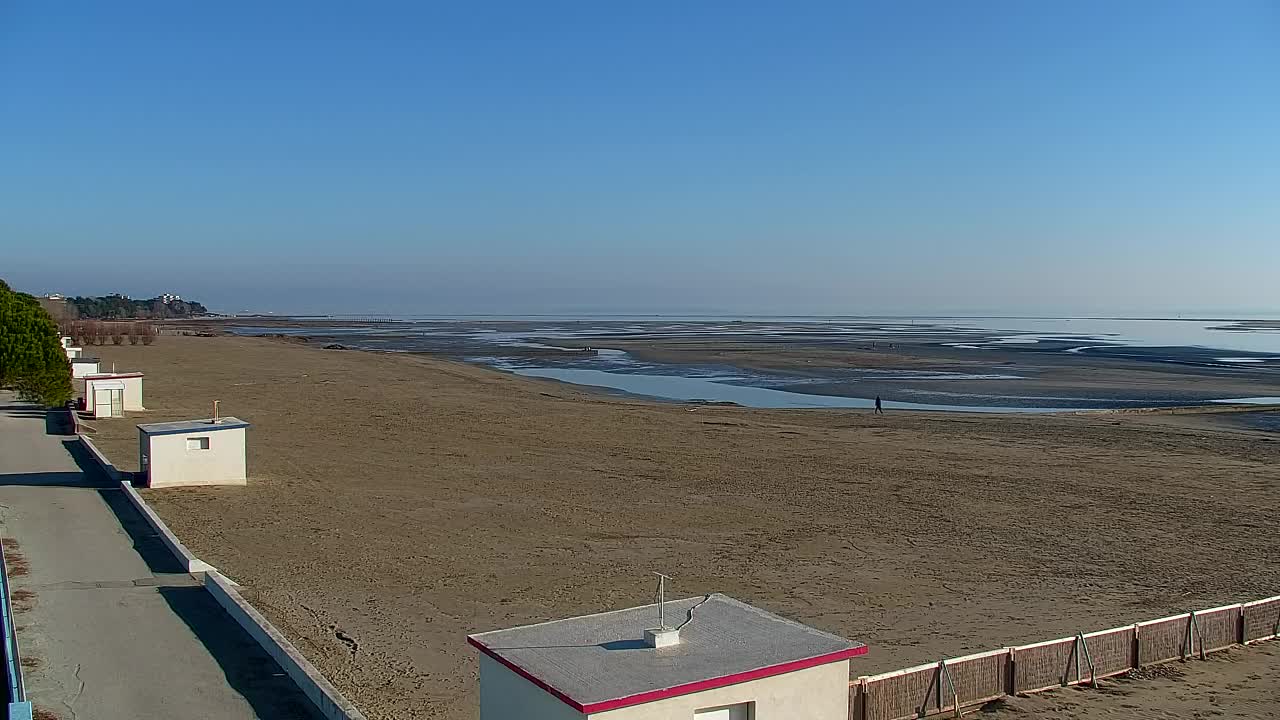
[(172, 464), (504, 695), (79, 370), (132, 394), (817, 693)]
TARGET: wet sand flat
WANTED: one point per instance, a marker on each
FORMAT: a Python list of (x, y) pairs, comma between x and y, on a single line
[(921, 366), (398, 502)]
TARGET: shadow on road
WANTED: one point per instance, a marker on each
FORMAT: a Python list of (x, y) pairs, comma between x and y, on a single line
[(248, 668), (146, 541), (51, 479), (56, 421)]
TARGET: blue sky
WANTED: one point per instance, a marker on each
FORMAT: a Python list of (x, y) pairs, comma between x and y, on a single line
[(789, 157)]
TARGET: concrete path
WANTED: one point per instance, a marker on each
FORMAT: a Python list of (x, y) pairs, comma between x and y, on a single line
[(110, 628)]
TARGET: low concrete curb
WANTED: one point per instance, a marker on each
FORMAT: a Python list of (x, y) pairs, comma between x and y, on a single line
[(101, 459), (189, 562), (331, 704)]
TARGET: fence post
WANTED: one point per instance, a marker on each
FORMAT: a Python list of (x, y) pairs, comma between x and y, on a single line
[(944, 673), (1137, 646), (1075, 650), (1189, 640), (862, 695), (1088, 656), (1240, 630), (1012, 674)]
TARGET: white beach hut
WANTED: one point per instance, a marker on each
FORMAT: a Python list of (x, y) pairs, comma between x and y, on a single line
[(104, 385), (726, 660), (68, 346), (83, 366), (193, 452)]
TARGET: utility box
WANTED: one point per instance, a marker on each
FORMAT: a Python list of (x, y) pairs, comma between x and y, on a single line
[(193, 452), (727, 661)]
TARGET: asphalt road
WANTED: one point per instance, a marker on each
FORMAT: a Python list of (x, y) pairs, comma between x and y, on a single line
[(109, 626)]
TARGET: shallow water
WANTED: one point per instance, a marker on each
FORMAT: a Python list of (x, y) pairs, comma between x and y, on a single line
[(505, 345), (678, 387)]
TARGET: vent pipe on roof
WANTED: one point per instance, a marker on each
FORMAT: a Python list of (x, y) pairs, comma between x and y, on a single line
[(662, 636), (216, 419)]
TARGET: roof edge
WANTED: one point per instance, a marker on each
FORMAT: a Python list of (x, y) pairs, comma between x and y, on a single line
[(726, 680), (591, 615), (236, 425), (542, 684), (676, 690), (108, 376)]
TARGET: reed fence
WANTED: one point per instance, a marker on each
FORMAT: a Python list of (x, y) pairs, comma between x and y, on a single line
[(950, 685)]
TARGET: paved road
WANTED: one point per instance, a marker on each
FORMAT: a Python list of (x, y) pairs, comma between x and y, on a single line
[(111, 626)]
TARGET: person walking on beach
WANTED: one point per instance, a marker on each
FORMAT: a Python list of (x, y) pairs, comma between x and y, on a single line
[(879, 408)]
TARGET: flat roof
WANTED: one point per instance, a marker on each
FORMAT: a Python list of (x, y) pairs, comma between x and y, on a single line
[(186, 426), (111, 376), (600, 662)]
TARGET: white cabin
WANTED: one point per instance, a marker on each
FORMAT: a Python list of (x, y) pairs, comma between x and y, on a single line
[(720, 659), (113, 394), (193, 452)]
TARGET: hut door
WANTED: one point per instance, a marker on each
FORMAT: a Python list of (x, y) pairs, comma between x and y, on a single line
[(101, 402), (117, 403)]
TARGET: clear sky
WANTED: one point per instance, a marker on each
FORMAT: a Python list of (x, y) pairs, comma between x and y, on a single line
[(706, 157)]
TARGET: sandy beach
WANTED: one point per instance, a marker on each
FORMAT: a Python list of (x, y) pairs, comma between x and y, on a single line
[(399, 501)]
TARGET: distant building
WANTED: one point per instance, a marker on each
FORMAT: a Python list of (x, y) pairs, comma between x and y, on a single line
[(723, 660), (55, 296), (170, 298)]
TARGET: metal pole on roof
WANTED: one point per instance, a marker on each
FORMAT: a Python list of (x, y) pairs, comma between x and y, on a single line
[(662, 593), (215, 411)]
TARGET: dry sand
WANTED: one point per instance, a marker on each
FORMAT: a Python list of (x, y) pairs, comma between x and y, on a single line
[(402, 502)]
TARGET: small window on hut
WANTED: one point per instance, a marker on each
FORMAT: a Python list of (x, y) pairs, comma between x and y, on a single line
[(198, 443), (741, 711)]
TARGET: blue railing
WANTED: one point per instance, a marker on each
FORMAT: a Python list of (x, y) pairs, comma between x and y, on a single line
[(19, 707)]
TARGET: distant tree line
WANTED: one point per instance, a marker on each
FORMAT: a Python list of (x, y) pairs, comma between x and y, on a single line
[(98, 332), (120, 307), (32, 360)]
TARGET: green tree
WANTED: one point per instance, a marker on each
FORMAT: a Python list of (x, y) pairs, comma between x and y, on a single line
[(32, 360)]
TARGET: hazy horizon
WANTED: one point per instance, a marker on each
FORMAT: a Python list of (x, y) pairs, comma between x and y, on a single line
[(826, 158)]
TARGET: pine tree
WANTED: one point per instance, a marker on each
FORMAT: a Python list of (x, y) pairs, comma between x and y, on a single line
[(32, 360)]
